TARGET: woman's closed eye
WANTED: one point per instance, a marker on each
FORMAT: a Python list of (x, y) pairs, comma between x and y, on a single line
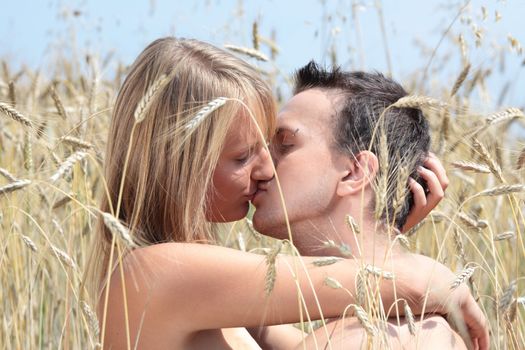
[(243, 158)]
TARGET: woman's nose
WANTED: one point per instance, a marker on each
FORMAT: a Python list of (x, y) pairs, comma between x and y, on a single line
[(263, 170)]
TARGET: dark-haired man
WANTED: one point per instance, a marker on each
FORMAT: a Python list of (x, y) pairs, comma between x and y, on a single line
[(337, 154)]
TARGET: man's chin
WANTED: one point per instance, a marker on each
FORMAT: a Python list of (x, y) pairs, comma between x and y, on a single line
[(268, 226)]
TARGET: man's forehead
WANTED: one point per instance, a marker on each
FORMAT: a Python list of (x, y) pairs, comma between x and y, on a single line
[(311, 108)]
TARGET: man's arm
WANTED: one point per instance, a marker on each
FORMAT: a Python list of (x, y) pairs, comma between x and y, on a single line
[(218, 287), (279, 337), (436, 178), (432, 333)]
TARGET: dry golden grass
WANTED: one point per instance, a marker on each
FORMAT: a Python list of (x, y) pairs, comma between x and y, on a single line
[(50, 167)]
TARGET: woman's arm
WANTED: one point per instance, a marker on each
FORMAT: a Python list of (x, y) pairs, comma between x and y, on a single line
[(194, 287)]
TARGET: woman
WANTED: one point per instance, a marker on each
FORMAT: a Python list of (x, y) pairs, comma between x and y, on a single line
[(189, 163)]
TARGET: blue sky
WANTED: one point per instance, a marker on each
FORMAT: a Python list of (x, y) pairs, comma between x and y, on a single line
[(32, 32)]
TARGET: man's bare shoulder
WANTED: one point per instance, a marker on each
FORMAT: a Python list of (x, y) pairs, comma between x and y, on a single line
[(433, 332)]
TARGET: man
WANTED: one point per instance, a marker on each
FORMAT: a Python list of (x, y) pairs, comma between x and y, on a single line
[(345, 166)]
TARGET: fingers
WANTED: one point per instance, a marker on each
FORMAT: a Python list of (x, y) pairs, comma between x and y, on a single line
[(419, 211), (434, 164), (436, 192), (420, 198), (477, 324), (437, 181)]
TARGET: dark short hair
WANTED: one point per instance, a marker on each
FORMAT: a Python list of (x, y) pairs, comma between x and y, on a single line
[(362, 98)]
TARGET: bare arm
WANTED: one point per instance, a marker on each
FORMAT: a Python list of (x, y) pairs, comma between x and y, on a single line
[(437, 181), (431, 333), (193, 287), (279, 337)]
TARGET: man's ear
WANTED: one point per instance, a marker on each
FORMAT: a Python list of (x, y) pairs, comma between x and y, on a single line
[(359, 172)]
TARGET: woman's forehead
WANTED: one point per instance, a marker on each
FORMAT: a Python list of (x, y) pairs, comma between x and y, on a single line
[(257, 117), (243, 130)]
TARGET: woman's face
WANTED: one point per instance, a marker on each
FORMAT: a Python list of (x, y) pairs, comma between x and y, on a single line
[(243, 162)]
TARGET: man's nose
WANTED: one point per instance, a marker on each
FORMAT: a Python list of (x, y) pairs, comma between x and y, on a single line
[(263, 171)]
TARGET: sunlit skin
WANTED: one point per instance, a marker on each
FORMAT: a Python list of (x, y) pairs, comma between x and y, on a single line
[(189, 296), (244, 162), (320, 187)]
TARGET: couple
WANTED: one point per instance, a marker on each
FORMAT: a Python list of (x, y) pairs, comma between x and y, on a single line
[(179, 168)]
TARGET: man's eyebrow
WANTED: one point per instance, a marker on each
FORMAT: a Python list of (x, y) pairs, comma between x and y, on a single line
[(288, 129)]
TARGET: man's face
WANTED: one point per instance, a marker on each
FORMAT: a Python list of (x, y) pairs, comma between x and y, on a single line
[(306, 163)]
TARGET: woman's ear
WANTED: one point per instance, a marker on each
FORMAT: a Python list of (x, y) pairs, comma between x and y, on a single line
[(359, 172)]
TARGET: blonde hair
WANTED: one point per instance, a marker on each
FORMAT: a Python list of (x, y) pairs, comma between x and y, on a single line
[(170, 168)]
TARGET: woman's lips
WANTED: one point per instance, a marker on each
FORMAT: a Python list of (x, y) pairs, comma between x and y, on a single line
[(257, 195), (251, 196)]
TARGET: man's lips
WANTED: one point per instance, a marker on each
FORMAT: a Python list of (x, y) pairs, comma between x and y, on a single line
[(257, 195)]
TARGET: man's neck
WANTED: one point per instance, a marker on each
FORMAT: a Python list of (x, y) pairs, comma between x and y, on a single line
[(353, 236)]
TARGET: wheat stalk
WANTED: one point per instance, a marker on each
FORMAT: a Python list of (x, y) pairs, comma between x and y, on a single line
[(378, 272), (117, 229), (507, 297), (343, 248), (68, 164), (28, 152), (418, 102), (415, 228), (471, 166), (58, 103), (205, 111), (460, 247), (332, 283), (326, 261), (5, 173), (15, 115), (508, 114), (487, 158), (521, 160), (504, 236), (461, 78), (254, 232), (365, 322), (146, 100), (63, 201), (462, 277), (380, 195), (62, 256), (29, 243), (468, 221), (409, 316), (12, 93), (13, 186), (92, 318), (271, 272), (513, 310), (248, 52), (501, 190), (352, 225), (403, 239), (361, 280), (482, 224), (76, 142), (255, 35), (401, 188)]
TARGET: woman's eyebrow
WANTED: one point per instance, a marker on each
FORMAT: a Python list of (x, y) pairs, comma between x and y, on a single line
[(250, 146)]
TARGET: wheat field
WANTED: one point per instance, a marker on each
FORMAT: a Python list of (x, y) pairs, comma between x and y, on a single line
[(53, 130)]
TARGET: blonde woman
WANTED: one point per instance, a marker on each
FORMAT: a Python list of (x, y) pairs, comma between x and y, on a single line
[(187, 164)]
